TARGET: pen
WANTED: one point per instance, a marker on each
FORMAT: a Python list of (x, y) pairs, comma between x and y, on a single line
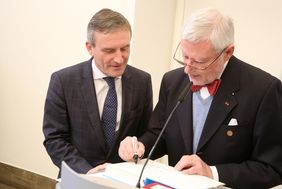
[(134, 144)]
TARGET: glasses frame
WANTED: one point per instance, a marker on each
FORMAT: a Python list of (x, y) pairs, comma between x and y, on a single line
[(197, 67)]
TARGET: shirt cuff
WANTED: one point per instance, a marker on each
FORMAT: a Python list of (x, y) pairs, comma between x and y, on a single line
[(214, 173)]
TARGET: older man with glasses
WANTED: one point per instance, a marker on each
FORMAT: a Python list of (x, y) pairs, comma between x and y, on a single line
[(229, 127)]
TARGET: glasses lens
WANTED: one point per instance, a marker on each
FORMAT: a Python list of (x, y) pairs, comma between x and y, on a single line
[(178, 55)]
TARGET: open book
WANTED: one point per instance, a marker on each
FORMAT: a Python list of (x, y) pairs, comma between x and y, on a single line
[(128, 172)]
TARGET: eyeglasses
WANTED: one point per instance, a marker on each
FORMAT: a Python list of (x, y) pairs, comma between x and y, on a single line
[(198, 65)]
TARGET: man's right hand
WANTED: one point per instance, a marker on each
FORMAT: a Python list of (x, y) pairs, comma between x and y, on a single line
[(126, 150)]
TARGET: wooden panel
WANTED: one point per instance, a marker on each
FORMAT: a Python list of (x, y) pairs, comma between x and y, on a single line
[(16, 178), (4, 186)]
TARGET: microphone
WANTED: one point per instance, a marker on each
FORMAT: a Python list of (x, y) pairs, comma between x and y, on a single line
[(180, 99)]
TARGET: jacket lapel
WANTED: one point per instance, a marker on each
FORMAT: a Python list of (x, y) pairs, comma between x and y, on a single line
[(184, 113), (126, 100), (223, 102), (89, 95)]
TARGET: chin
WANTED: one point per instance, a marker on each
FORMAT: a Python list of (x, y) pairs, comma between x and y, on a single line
[(196, 81), (117, 74)]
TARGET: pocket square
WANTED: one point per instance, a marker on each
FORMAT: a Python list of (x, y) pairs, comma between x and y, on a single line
[(233, 122)]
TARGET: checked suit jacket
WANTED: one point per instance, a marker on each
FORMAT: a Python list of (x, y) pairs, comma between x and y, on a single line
[(71, 122)]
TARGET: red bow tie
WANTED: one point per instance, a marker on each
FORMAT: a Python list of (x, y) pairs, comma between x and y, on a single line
[(212, 87)]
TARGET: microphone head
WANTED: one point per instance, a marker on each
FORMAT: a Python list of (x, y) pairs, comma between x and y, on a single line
[(184, 92)]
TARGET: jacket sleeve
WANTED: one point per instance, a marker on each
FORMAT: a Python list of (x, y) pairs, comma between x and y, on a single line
[(56, 129)]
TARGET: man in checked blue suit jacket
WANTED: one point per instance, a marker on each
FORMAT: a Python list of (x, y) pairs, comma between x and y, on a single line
[(74, 103), (234, 136)]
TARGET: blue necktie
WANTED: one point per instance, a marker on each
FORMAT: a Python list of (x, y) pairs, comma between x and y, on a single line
[(109, 115)]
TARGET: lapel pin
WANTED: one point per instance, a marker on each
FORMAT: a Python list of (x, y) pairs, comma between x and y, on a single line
[(229, 133), (226, 103)]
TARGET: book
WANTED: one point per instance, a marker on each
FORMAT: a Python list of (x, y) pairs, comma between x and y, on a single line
[(128, 173), (156, 185), (151, 184)]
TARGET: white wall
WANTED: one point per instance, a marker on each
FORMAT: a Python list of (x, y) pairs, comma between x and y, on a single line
[(153, 30), (37, 38)]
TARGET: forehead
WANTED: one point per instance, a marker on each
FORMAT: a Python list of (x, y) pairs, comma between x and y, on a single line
[(203, 47), (120, 37)]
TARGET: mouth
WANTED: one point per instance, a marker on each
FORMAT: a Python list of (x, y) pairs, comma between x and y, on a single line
[(194, 76), (116, 67)]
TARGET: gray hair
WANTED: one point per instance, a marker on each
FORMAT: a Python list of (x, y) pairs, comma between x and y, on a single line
[(106, 21), (209, 24)]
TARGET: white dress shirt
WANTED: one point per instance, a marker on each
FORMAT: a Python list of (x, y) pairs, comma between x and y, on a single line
[(102, 88)]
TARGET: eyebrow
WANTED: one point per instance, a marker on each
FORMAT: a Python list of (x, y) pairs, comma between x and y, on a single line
[(110, 49), (200, 59)]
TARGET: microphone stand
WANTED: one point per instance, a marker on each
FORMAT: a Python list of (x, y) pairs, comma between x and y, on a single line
[(179, 101)]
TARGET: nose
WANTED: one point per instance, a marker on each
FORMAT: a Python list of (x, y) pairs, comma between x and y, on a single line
[(189, 62), (189, 68), (118, 57)]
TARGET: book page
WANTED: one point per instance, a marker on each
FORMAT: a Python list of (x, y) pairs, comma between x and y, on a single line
[(128, 172)]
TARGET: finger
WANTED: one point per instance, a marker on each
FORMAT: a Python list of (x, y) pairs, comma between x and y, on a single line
[(141, 150), (131, 147), (123, 149), (190, 171), (126, 149), (102, 166), (98, 168), (134, 143), (198, 167), (184, 163)]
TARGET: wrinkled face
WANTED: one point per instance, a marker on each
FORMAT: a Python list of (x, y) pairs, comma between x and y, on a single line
[(203, 55), (111, 51)]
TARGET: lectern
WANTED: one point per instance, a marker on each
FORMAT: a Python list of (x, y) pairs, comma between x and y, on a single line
[(73, 180)]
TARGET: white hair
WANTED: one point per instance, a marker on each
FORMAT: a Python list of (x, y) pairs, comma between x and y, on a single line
[(209, 24)]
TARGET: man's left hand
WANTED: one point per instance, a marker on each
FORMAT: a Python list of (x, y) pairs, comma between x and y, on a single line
[(98, 168), (193, 165)]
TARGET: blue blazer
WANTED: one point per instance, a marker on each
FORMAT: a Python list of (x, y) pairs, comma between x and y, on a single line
[(248, 155), (72, 125)]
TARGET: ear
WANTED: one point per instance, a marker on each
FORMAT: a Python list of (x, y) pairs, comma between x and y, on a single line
[(229, 51), (89, 48)]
